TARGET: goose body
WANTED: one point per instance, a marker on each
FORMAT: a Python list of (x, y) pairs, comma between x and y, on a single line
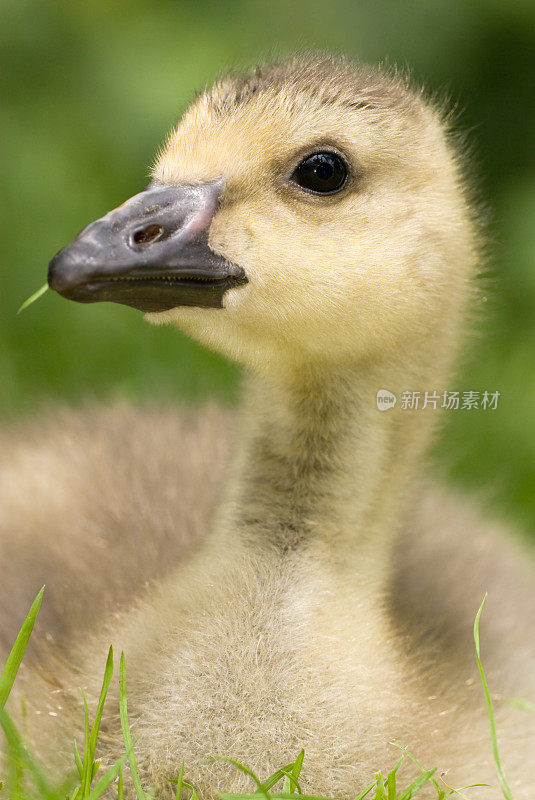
[(329, 605)]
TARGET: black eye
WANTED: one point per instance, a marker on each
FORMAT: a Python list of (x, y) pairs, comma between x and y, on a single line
[(321, 173)]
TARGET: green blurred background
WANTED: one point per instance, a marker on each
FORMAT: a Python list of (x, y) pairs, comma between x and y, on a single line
[(90, 87)]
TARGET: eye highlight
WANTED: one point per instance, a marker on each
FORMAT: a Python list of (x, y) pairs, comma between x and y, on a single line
[(324, 172)]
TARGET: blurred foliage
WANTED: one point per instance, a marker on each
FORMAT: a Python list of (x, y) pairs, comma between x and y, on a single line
[(90, 87)]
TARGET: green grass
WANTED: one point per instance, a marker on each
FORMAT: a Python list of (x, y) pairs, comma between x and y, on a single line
[(33, 297), (490, 710), (27, 779)]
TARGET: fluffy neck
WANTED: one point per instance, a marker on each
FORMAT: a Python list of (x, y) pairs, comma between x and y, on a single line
[(320, 470)]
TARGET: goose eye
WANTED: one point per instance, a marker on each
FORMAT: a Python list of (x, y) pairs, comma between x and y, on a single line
[(321, 173)]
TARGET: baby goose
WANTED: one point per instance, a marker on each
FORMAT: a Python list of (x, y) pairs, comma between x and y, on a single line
[(309, 221)]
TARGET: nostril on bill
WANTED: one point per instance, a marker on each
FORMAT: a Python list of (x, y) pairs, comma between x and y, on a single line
[(147, 235)]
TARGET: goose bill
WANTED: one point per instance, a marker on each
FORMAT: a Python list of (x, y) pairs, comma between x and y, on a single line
[(150, 253)]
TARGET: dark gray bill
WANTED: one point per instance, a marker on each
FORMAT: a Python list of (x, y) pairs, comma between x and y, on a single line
[(150, 253)]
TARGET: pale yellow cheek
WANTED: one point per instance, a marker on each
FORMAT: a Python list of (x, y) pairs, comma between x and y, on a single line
[(207, 152), (231, 235), (233, 299), (184, 169), (161, 317)]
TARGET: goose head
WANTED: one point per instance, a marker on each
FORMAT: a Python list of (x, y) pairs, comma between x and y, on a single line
[(311, 210)]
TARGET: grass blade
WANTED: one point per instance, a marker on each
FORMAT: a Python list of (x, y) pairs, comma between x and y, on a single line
[(35, 296), (107, 778), (108, 672), (15, 742), (78, 759), (9, 673), (247, 771), (296, 770), (123, 710), (290, 783), (276, 777), (391, 785), (415, 760), (380, 793), (415, 787), (366, 792), (87, 767), (120, 786), (490, 709), (273, 796), (180, 781), (193, 790)]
